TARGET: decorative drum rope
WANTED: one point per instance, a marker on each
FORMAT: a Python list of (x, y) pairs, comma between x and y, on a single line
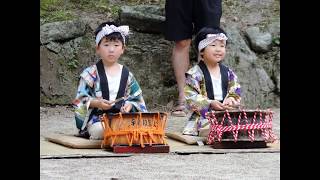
[(134, 129), (247, 123)]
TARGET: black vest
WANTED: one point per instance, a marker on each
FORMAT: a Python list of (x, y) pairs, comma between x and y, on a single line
[(105, 89), (208, 82)]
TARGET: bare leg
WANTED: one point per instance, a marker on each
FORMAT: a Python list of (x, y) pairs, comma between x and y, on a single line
[(180, 62)]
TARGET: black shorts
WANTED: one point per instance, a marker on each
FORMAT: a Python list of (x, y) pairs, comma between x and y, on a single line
[(186, 17)]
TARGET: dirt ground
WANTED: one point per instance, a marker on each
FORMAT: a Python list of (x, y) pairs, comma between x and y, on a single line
[(154, 166)]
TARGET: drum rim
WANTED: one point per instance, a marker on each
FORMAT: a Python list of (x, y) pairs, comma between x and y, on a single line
[(136, 113), (240, 111)]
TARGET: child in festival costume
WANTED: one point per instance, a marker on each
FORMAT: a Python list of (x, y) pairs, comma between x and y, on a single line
[(107, 86), (210, 85)]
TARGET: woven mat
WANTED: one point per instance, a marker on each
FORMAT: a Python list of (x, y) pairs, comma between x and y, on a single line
[(70, 146), (184, 144), (73, 141), (56, 146)]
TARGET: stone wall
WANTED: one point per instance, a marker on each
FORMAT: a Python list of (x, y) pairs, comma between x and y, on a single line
[(66, 48)]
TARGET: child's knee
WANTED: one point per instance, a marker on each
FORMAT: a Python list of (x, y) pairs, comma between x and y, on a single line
[(95, 130)]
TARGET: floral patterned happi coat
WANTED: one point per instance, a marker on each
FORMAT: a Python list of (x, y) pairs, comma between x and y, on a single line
[(198, 101), (89, 88)]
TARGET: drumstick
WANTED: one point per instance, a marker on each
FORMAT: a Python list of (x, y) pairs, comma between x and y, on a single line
[(125, 98), (117, 100), (114, 101)]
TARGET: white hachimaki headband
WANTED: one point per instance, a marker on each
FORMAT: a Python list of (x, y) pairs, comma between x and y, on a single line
[(209, 39), (106, 30)]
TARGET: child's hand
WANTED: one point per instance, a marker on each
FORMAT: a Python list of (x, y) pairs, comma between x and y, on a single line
[(216, 105), (107, 101), (105, 104), (230, 101), (126, 108)]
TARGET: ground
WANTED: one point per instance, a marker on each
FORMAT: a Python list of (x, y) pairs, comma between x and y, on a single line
[(154, 166)]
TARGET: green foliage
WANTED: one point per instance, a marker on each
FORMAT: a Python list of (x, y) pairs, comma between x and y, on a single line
[(86, 4), (103, 6), (276, 41), (147, 1), (91, 5), (114, 10), (61, 10), (73, 64), (51, 5), (54, 16), (54, 10), (70, 64)]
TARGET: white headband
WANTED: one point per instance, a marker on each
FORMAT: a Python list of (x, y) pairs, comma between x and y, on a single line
[(106, 30), (209, 39)]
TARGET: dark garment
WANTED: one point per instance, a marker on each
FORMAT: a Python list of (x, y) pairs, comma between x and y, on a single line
[(208, 82), (186, 17), (105, 89)]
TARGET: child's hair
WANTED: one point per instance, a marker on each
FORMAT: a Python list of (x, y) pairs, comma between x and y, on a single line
[(111, 37), (202, 34)]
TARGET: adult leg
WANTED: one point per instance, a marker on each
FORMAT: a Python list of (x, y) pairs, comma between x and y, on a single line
[(179, 29), (180, 63)]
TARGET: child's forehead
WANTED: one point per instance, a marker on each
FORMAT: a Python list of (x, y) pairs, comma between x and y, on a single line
[(219, 41), (106, 39)]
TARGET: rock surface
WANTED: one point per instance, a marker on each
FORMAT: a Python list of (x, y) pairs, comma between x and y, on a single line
[(66, 48)]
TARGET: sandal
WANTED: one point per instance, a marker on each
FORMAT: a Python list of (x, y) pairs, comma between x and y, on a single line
[(179, 110)]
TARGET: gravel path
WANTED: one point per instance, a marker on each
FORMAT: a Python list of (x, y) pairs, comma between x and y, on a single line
[(154, 166)]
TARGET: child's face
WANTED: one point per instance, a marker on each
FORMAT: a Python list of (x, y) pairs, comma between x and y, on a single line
[(110, 51), (215, 51)]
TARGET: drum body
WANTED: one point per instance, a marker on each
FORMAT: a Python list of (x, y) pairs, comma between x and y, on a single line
[(134, 129), (240, 125)]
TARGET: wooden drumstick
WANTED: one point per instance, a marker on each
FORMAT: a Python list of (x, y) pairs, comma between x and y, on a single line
[(114, 101), (117, 100), (125, 98)]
